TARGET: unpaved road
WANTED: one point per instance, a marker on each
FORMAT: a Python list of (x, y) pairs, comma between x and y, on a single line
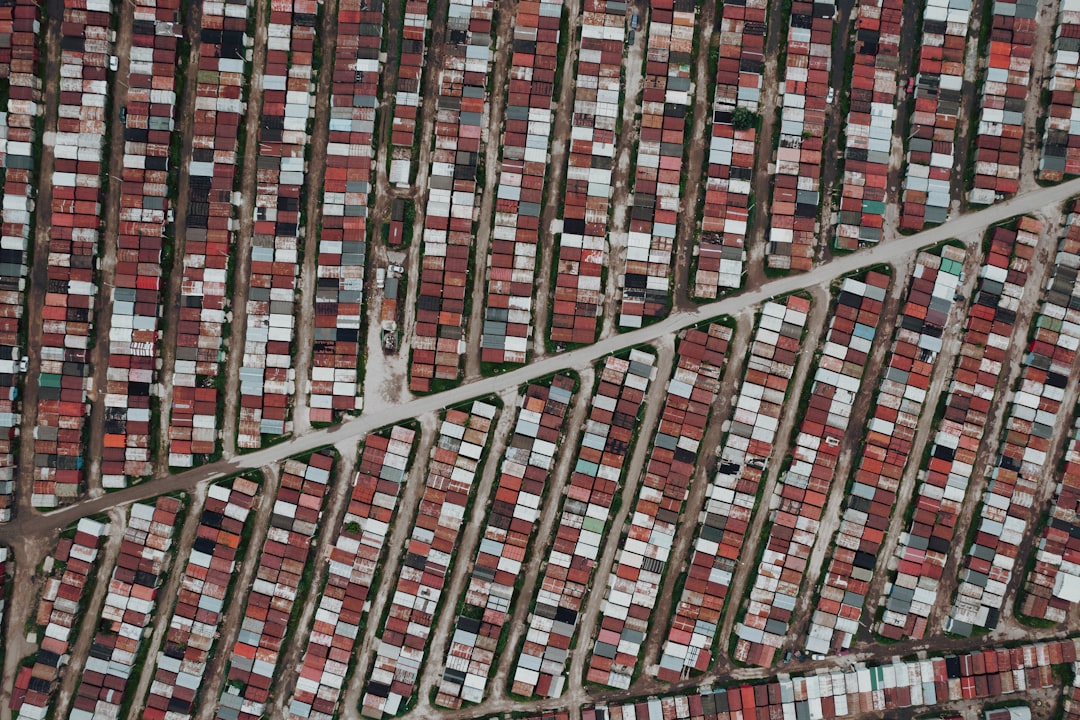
[(966, 227)]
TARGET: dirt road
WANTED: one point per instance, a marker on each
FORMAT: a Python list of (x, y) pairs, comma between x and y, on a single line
[(556, 178), (696, 158), (241, 269), (622, 179), (682, 546), (589, 616), (229, 627), (784, 438), (464, 558), (106, 269), (966, 227), (38, 260), (496, 107), (313, 184), (185, 119)]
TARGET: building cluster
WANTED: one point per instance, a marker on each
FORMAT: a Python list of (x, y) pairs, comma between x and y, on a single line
[(429, 556), (792, 234), (1061, 136), (59, 615), (923, 547), (939, 84), (270, 609), (732, 494), (726, 215), (666, 101), (354, 559), (1000, 135), (802, 489), (201, 600), (410, 76), (861, 689), (74, 234), (586, 208), (868, 131), (20, 23), (145, 212), (206, 283), (267, 375), (1053, 585), (886, 449), (519, 194), (454, 190), (584, 521), (1012, 501), (113, 665), (633, 585), (527, 465), (343, 236)]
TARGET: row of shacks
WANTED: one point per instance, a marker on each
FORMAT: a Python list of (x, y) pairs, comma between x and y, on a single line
[(1014, 496), (1061, 138), (501, 556), (350, 156), (19, 25), (144, 212), (429, 556), (632, 587), (792, 235), (520, 190), (1000, 135), (802, 490), (886, 448), (732, 492), (407, 95), (180, 665), (862, 689), (267, 375), (939, 82), (658, 169), (113, 661), (220, 96), (269, 610), (59, 614), (730, 169), (74, 233), (923, 547), (453, 194), (598, 93), (354, 559), (594, 483), (869, 126), (1053, 585)]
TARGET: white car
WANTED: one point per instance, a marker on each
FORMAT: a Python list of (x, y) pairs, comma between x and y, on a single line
[(114, 63), (831, 94), (396, 270), (24, 364)]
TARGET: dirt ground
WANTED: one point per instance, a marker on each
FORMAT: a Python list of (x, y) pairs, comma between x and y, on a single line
[(697, 158), (973, 66), (772, 78), (682, 547), (492, 150), (246, 221), (465, 556), (555, 183), (589, 617), (106, 266), (313, 185), (185, 118), (292, 654), (229, 627), (622, 184), (36, 282), (1041, 60), (404, 515)]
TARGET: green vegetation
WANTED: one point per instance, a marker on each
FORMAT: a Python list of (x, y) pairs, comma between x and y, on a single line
[(744, 119)]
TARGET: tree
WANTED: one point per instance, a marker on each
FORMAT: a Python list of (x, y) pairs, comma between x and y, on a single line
[(744, 118)]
